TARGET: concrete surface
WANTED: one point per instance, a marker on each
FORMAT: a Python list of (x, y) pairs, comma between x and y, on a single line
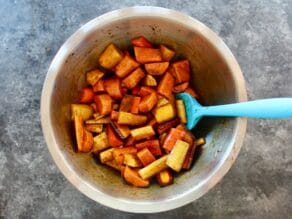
[(259, 33)]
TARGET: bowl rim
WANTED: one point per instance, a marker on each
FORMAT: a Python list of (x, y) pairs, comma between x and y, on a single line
[(122, 204)]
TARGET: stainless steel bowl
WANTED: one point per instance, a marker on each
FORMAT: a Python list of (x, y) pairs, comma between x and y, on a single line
[(215, 74)]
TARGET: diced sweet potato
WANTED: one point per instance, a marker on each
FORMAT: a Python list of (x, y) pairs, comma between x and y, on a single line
[(96, 128), (144, 91), (100, 142), (192, 92), (177, 156), (114, 115), (164, 127), (131, 119), (86, 95), (132, 177), (99, 86), (118, 153), (113, 88), (167, 54), (126, 103), (172, 137), (145, 156), (83, 137), (126, 66), (142, 132), (152, 145), (147, 55), (164, 113), (92, 77), (148, 102), (180, 87), (122, 131), (181, 71), (153, 168), (141, 42), (82, 110), (157, 68), (135, 105), (87, 141), (166, 84), (149, 80), (113, 139), (132, 160), (181, 111), (110, 57), (103, 103), (164, 178), (134, 78)]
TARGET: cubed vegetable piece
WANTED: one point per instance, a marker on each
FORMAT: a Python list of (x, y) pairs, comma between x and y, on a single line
[(126, 103), (97, 116), (83, 137), (113, 87), (134, 78), (99, 86), (147, 55), (164, 178), (164, 113), (96, 128), (161, 102), (86, 95), (157, 68), (167, 54), (113, 139), (145, 156), (122, 131), (132, 177), (131, 119), (192, 92), (143, 132), (82, 110), (135, 105), (172, 137), (149, 80), (132, 160), (100, 142), (144, 91), (141, 42), (103, 120), (92, 77), (164, 127), (181, 71), (103, 103), (180, 87), (188, 137), (177, 156), (152, 145), (148, 102), (119, 153), (181, 111), (106, 155), (153, 168), (114, 115), (126, 66), (110, 57), (113, 164), (189, 157), (166, 84)]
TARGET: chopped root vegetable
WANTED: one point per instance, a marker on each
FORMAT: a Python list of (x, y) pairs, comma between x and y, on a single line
[(164, 178), (92, 77), (95, 128), (126, 66), (166, 84), (181, 71), (113, 88), (113, 164), (99, 86), (100, 142), (83, 110), (172, 137), (189, 157), (163, 127), (153, 168), (192, 92), (126, 103), (113, 139), (149, 80), (164, 113), (177, 156), (118, 153), (134, 78), (125, 118), (200, 141), (141, 42), (86, 95), (144, 91), (135, 105), (147, 55), (143, 132), (152, 145), (106, 155), (110, 57), (132, 177), (181, 111), (132, 160), (161, 102), (103, 103), (114, 115), (157, 68), (148, 102), (103, 120), (145, 156), (180, 87), (167, 54), (122, 131)]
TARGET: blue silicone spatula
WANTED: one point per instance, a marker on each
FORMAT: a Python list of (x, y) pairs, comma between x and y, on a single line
[(265, 108)]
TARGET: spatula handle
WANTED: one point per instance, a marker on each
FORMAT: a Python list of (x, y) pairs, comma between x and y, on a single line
[(265, 108)]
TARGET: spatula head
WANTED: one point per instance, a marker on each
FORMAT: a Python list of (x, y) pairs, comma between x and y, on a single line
[(193, 109)]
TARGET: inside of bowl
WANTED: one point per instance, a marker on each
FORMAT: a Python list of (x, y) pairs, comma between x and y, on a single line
[(210, 77)]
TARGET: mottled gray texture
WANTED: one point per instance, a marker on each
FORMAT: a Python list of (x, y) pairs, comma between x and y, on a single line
[(259, 33)]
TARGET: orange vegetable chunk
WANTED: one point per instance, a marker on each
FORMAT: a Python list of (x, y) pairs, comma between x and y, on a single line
[(172, 137), (118, 153), (141, 42), (126, 103), (113, 88), (157, 68), (166, 84), (126, 66), (192, 92), (135, 105), (164, 177), (134, 78), (180, 87), (86, 95), (145, 90), (152, 145), (181, 71), (146, 55), (99, 86), (148, 102), (132, 177), (167, 54), (103, 103), (145, 156), (113, 139), (114, 115)]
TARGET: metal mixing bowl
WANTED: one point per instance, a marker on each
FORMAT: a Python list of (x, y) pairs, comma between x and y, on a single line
[(215, 75)]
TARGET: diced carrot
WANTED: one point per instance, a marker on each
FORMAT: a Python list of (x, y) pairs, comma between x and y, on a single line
[(126, 103), (103, 103), (136, 90), (86, 95), (181, 71), (113, 164), (114, 115), (118, 153), (189, 137), (180, 87), (99, 86), (134, 78), (141, 42), (145, 156), (172, 137), (127, 65), (164, 178), (192, 92), (135, 105), (146, 55), (189, 157), (167, 54), (152, 145), (148, 102), (122, 131), (157, 68), (144, 91), (166, 84), (132, 177), (164, 127), (113, 88), (113, 139)]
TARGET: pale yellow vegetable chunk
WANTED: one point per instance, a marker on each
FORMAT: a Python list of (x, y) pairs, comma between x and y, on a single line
[(106, 155), (93, 76), (181, 111), (153, 168), (143, 132), (110, 57), (83, 110), (177, 155), (164, 113), (132, 160), (100, 142)]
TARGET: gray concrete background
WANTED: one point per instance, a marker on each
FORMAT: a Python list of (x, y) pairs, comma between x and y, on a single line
[(259, 33)]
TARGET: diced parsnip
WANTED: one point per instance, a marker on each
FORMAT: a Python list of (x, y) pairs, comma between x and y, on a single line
[(145, 90), (106, 155), (132, 177), (147, 55), (113, 88), (172, 137), (103, 103), (110, 57), (113, 164), (164, 113), (180, 87), (148, 102), (92, 77), (177, 156), (143, 132), (122, 131), (135, 105), (157, 68), (114, 115), (149, 80), (166, 84), (119, 153), (192, 92), (100, 142), (181, 111), (83, 110), (164, 177), (153, 168), (161, 102), (96, 128), (126, 66), (113, 139), (104, 120), (133, 78), (141, 42), (164, 127), (152, 145), (145, 156), (132, 160), (181, 71), (97, 116), (131, 119), (86, 95), (167, 54), (126, 103), (99, 86)]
